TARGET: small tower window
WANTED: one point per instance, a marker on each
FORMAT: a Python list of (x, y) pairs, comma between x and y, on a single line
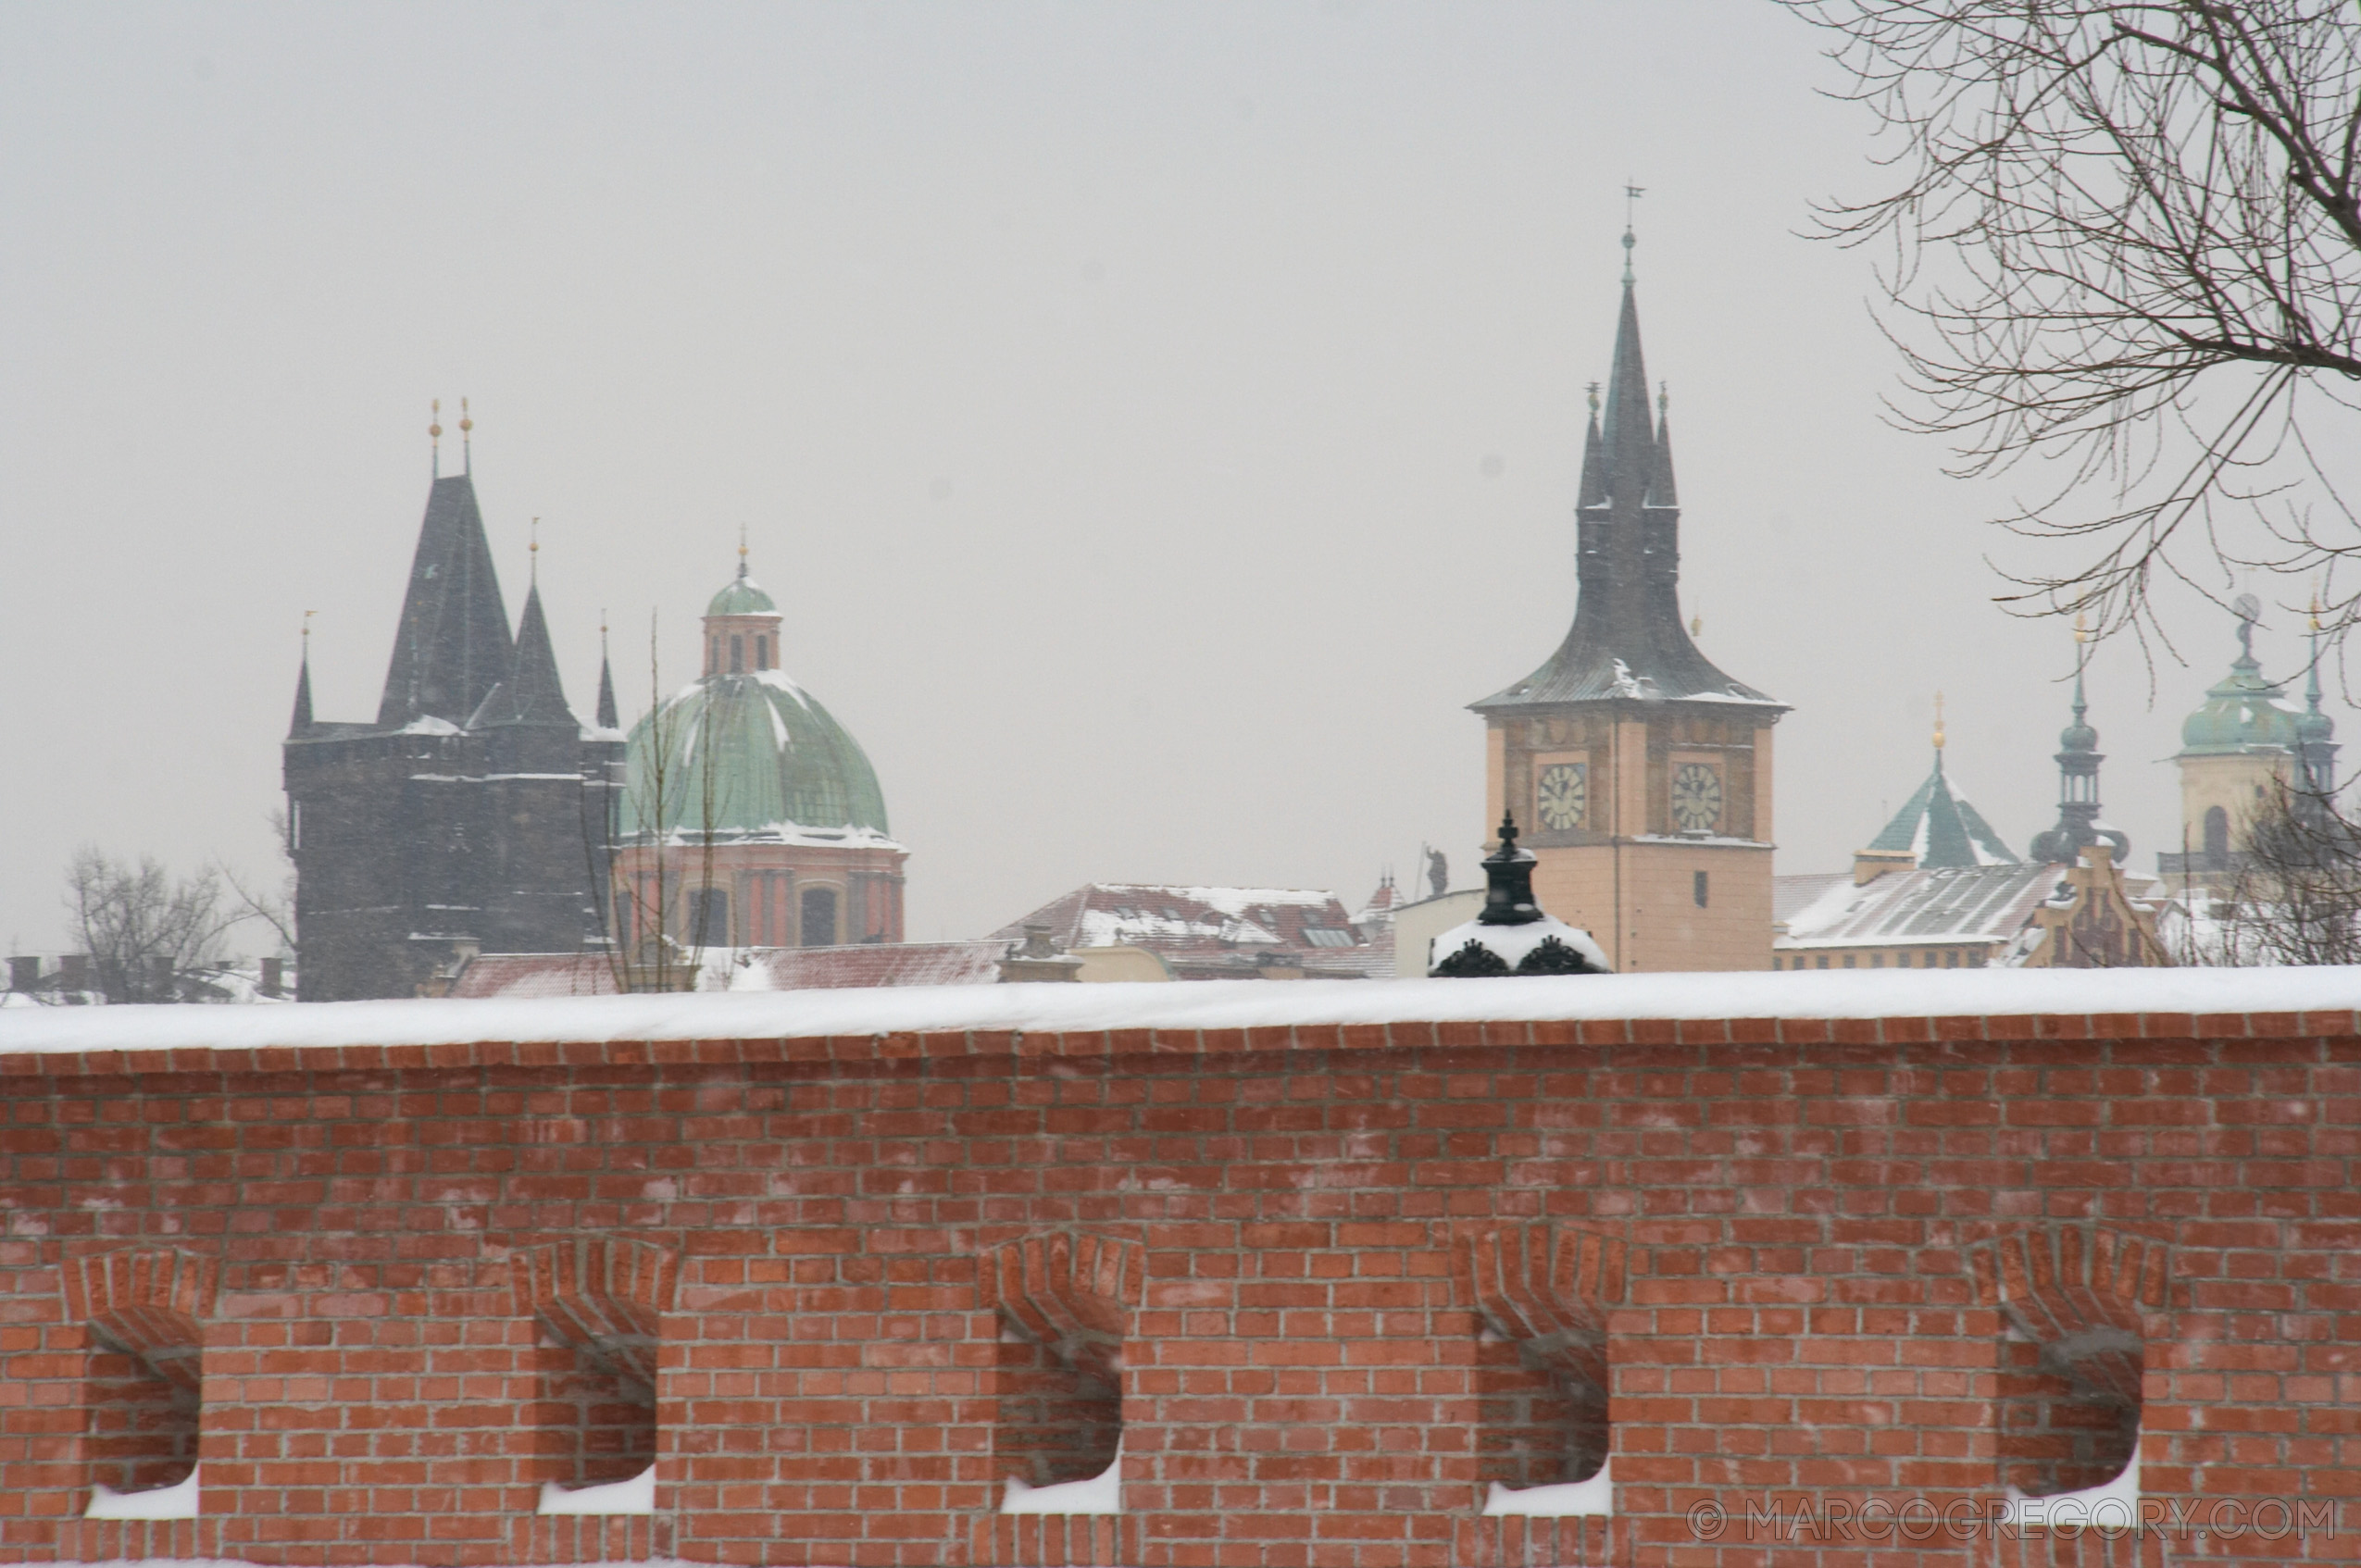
[(737, 655), (762, 652), (1697, 890), (2216, 835), (820, 917)]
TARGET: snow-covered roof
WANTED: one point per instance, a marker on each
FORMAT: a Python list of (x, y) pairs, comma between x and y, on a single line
[(1210, 925), (536, 974), (1939, 827), (1974, 904), (1816, 994)]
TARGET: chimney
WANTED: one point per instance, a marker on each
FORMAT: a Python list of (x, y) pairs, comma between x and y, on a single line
[(1870, 865), (274, 976), (73, 972), (24, 974)]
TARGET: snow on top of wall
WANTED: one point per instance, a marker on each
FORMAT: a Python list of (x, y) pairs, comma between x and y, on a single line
[(1223, 1004)]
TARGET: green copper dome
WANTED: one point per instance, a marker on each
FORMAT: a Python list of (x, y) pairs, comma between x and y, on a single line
[(741, 596), (2244, 712), (748, 758)]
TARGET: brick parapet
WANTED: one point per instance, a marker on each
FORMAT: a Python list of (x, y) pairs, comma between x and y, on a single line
[(859, 1050), (1783, 1218)]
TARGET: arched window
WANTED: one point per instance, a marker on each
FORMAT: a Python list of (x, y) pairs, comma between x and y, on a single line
[(710, 916), (2216, 834), (762, 652), (737, 655), (819, 927)]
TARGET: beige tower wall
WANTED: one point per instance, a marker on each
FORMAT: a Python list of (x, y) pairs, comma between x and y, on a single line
[(1662, 926), (1634, 887), (2238, 782)]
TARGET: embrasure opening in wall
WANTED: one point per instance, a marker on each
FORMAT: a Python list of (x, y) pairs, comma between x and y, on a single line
[(1064, 1309), (144, 1395), (597, 1307), (1540, 1374), (2071, 1357)]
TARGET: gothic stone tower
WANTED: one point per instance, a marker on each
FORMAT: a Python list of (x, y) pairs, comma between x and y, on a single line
[(1643, 773), (474, 814)]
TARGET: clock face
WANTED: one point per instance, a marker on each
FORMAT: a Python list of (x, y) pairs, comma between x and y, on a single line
[(1696, 797), (1563, 795)]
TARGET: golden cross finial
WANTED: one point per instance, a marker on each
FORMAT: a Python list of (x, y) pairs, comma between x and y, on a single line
[(1938, 721), (308, 615), (466, 424), (434, 425), (2081, 626)]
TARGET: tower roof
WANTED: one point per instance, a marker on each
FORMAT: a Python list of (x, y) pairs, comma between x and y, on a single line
[(2243, 712), (532, 693), (451, 647), (749, 757), (1941, 828), (741, 596), (1627, 640)]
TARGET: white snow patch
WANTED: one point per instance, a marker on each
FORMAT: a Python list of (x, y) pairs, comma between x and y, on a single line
[(1595, 1497), (2113, 1507), (1210, 1005), (1513, 942), (1102, 1493), (157, 1502), (634, 1496)]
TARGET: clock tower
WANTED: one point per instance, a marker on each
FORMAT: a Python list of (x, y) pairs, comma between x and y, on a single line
[(1644, 772)]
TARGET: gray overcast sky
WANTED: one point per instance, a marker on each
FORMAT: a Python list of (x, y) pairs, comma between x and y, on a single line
[(1157, 421)]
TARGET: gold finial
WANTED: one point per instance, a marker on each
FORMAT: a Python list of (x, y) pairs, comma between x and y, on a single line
[(1938, 721), (2315, 607), (533, 549), (434, 426), (466, 424), (1696, 625), (2081, 626), (308, 615), (1594, 390), (1664, 398)]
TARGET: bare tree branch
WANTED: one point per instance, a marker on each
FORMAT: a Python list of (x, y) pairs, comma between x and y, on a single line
[(2124, 237)]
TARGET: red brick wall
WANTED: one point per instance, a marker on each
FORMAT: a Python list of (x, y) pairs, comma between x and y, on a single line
[(1342, 1276)]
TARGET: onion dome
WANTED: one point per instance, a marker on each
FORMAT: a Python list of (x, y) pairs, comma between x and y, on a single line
[(741, 596), (742, 754), (2244, 712)]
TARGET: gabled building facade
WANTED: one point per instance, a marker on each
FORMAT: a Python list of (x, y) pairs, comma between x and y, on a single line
[(1640, 773), (472, 816)]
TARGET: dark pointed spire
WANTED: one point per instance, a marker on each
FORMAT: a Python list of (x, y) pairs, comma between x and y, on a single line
[(1628, 435), (1594, 490), (1661, 490), (451, 647), (2315, 737), (301, 725), (1627, 642), (607, 719), (532, 694)]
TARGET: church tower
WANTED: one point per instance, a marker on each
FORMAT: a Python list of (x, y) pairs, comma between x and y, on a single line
[(473, 814), (2236, 751), (1644, 772)]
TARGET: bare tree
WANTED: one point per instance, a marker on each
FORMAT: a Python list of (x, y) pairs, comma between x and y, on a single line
[(274, 907), (2125, 234), (142, 927), (661, 916), (2295, 894)]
